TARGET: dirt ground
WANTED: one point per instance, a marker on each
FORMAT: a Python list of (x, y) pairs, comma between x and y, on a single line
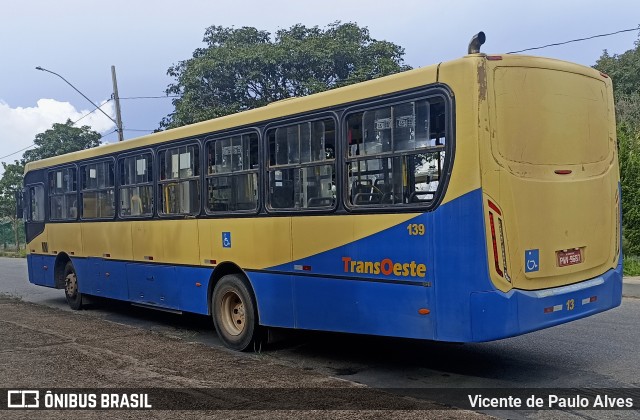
[(45, 348)]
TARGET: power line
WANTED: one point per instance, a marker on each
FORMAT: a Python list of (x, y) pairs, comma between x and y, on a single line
[(575, 40), (91, 112), (108, 134), (152, 97), (11, 154), (33, 144)]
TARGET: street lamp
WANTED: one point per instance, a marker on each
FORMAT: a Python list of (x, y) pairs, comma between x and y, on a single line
[(118, 123)]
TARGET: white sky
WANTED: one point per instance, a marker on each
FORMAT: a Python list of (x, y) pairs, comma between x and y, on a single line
[(80, 40)]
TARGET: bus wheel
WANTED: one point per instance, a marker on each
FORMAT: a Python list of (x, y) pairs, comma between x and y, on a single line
[(73, 295), (235, 314)]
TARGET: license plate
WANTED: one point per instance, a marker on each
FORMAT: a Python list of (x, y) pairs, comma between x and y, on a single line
[(569, 257)]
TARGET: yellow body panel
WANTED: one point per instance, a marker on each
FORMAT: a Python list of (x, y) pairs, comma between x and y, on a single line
[(109, 238), (65, 237), (148, 240), (541, 116), (255, 242), (180, 239), (461, 76), (313, 235), (165, 241)]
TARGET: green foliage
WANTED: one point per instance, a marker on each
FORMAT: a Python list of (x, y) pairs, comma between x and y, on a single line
[(631, 266), (629, 154), (10, 183), (624, 70), (61, 139), (241, 69)]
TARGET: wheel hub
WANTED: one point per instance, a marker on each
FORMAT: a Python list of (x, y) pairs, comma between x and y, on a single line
[(71, 284), (233, 314)]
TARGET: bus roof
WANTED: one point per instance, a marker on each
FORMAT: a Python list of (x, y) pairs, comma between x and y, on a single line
[(293, 106)]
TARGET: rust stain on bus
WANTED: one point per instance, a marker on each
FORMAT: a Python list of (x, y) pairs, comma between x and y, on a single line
[(482, 81)]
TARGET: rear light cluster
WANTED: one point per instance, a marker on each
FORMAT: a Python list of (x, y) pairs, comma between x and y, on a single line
[(502, 271), (618, 226)]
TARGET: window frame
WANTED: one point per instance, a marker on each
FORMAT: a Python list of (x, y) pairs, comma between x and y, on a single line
[(49, 194), (158, 182), (335, 162), (120, 185), (437, 90), (29, 207), (84, 164), (212, 138)]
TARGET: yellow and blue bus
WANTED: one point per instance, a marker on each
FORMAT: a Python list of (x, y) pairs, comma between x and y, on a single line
[(466, 201)]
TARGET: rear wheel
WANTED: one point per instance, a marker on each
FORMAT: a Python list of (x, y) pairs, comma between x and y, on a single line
[(235, 314), (71, 291)]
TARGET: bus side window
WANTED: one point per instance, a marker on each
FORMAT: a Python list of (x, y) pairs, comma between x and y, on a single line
[(395, 153), (97, 190), (136, 185), (302, 172), (232, 173), (36, 203), (63, 194), (179, 181)]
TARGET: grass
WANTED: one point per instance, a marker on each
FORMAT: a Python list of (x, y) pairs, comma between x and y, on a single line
[(13, 254), (631, 264)]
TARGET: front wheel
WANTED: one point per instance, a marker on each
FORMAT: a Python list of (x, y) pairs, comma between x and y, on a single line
[(71, 291), (235, 314)]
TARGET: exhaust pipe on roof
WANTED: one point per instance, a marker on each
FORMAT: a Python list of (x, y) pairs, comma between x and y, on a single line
[(477, 40)]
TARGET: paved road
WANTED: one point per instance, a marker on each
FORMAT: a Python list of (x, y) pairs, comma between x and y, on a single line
[(597, 352)]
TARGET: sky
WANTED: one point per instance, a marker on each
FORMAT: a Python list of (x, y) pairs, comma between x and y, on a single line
[(81, 39)]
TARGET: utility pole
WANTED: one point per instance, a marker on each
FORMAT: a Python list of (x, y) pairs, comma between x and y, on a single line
[(116, 98), (118, 123)]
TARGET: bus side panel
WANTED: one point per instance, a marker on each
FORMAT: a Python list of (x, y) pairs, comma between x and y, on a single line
[(41, 269), (112, 280), (154, 285), (194, 286), (274, 297), (362, 307), (174, 287), (461, 264), (376, 284), (102, 277)]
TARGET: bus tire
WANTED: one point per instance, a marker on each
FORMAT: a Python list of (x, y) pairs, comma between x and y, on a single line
[(71, 291), (235, 314)]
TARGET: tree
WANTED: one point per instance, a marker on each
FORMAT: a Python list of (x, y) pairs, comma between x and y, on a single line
[(624, 70), (60, 139), (244, 68), (10, 183)]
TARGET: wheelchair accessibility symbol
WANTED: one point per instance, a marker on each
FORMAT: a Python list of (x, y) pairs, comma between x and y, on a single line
[(226, 239), (531, 260)]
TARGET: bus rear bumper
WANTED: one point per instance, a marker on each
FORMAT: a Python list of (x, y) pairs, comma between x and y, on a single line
[(496, 315)]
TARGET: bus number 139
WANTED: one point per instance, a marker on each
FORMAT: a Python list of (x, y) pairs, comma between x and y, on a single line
[(415, 229)]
